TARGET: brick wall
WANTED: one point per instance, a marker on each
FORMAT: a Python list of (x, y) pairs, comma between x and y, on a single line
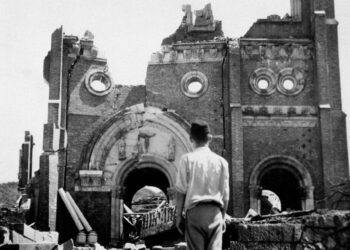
[(302, 144), (163, 87)]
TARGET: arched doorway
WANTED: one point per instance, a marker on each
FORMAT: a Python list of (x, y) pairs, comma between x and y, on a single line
[(285, 185), (287, 178), (136, 147), (150, 170), (140, 178)]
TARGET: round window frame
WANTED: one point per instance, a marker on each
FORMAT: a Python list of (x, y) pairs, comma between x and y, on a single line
[(293, 75), (190, 77), (263, 74), (91, 76)]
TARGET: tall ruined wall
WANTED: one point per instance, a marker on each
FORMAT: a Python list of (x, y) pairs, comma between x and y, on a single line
[(170, 73), (272, 99), (280, 120), (77, 108)]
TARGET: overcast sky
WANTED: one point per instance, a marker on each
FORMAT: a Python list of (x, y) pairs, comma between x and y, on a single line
[(126, 31)]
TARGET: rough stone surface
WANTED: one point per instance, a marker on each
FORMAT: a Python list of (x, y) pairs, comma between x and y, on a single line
[(320, 230)]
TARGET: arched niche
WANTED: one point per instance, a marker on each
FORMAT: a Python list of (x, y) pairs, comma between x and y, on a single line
[(273, 173)]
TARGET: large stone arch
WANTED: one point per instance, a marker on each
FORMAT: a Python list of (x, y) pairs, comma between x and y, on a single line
[(131, 140), (285, 163)]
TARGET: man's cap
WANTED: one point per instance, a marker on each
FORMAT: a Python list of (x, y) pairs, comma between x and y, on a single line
[(199, 129)]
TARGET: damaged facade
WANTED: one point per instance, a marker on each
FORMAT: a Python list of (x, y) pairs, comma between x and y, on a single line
[(271, 97)]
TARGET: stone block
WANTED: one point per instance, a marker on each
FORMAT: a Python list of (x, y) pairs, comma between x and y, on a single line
[(17, 238), (51, 237), (24, 230), (269, 233)]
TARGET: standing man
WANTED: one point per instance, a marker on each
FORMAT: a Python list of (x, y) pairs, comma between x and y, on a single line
[(202, 192)]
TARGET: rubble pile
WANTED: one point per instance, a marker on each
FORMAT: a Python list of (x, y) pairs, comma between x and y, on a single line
[(300, 231), (8, 216), (22, 236)]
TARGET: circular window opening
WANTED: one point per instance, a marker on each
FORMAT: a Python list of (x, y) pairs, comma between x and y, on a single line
[(263, 81), (195, 87), (194, 84), (263, 84), (147, 199), (288, 84), (98, 85)]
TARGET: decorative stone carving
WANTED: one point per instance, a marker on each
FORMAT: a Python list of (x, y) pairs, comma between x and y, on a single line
[(292, 111), (107, 178), (194, 52), (171, 149), (213, 52), (188, 53), (122, 149), (306, 122), (291, 49), (271, 110), (143, 141), (90, 178)]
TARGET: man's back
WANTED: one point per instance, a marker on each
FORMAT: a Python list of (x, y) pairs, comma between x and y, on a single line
[(203, 192), (203, 176)]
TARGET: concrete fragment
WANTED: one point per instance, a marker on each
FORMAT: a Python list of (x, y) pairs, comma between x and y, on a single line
[(25, 230), (17, 238), (33, 235)]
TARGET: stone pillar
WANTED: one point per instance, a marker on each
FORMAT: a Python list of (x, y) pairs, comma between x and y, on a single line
[(47, 213), (117, 207), (25, 161), (324, 99), (332, 119), (237, 167), (171, 192), (254, 198), (309, 199)]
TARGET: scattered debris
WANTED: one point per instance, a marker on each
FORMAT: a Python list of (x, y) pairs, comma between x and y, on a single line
[(317, 229)]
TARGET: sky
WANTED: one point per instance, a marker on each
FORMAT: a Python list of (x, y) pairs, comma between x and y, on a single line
[(127, 32)]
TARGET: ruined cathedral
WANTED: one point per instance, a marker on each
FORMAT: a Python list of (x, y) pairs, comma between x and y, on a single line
[(272, 99)]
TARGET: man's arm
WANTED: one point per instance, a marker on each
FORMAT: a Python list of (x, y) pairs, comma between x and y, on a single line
[(180, 201), (226, 188), (224, 210)]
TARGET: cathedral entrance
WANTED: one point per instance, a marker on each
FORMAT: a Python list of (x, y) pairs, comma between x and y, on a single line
[(285, 185), (280, 179), (139, 178)]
